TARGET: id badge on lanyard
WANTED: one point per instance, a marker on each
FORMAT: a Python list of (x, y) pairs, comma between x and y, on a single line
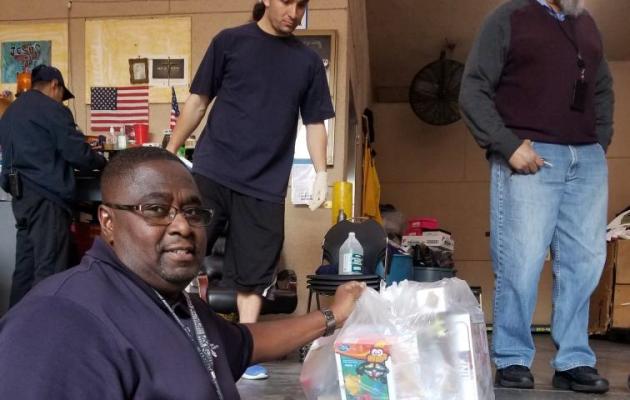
[(580, 87), (578, 103)]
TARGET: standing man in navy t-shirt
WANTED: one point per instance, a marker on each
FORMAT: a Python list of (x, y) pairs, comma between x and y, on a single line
[(261, 79)]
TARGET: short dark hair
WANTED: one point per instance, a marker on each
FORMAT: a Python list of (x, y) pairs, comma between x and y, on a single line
[(123, 163), (40, 85), (258, 11)]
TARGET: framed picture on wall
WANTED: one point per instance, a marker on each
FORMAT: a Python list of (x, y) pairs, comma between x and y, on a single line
[(167, 71), (23, 56), (324, 43), (139, 70)]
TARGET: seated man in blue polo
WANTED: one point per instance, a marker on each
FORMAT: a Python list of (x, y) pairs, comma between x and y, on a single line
[(120, 326)]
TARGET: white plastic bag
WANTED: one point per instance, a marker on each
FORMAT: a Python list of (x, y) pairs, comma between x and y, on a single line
[(319, 376), (412, 340)]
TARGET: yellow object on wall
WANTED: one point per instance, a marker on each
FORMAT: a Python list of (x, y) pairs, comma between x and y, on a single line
[(341, 200), (56, 32), (110, 43), (371, 186)]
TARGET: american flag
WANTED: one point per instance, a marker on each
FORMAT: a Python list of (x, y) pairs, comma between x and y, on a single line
[(117, 106), (174, 109)]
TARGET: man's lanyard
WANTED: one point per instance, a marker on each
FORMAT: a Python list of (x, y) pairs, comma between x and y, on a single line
[(201, 343), (572, 38)]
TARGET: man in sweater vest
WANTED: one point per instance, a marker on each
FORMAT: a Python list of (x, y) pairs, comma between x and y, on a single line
[(537, 95)]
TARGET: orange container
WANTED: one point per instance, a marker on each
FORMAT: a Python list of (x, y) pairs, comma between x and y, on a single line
[(23, 82)]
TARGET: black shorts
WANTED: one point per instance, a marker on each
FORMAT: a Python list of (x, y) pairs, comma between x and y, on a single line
[(254, 238)]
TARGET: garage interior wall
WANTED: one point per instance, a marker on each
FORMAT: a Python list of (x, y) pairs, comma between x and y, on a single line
[(304, 229), (440, 171), (424, 170)]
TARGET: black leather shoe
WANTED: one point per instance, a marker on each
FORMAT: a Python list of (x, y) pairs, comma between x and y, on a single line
[(580, 379), (515, 377)]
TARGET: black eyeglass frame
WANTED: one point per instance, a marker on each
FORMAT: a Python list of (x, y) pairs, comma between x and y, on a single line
[(168, 218)]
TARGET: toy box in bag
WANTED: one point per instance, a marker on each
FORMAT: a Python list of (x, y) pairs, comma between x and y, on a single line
[(469, 351), (364, 369)]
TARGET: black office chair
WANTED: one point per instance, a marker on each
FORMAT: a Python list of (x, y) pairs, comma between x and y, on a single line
[(373, 239), (281, 300), (368, 232)]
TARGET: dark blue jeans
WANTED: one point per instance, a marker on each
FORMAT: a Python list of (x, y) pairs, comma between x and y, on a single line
[(43, 241)]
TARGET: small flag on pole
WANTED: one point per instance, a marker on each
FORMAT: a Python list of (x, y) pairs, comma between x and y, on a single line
[(174, 109)]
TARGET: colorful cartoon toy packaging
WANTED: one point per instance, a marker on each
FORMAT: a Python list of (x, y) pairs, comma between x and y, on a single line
[(411, 341), (363, 368)]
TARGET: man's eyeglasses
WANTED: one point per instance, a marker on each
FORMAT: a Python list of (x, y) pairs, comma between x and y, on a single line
[(164, 214)]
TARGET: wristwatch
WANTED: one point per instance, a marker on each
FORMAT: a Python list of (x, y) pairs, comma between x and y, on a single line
[(331, 324)]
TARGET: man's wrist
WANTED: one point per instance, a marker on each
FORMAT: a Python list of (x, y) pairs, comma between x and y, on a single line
[(331, 322)]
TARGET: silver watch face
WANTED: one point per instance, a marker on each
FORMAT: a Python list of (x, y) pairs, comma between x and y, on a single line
[(330, 322)]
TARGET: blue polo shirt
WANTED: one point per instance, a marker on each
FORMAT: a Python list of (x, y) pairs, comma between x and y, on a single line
[(97, 331), (262, 83)]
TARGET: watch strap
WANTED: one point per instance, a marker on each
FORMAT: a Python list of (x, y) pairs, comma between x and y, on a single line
[(331, 323)]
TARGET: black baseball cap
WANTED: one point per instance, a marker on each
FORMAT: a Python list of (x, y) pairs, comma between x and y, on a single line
[(47, 73)]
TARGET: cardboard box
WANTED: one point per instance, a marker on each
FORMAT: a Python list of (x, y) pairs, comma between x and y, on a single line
[(622, 262), (437, 233), (610, 303), (442, 242), (621, 307)]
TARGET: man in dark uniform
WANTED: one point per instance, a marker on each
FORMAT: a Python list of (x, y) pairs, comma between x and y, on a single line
[(41, 146)]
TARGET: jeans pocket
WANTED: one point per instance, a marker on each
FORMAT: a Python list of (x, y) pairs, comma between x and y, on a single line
[(601, 149)]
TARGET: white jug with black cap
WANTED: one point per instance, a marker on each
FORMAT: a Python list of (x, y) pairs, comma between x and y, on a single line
[(351, 256)]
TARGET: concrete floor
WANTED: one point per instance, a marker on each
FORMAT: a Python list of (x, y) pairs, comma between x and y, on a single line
[(614, 364)]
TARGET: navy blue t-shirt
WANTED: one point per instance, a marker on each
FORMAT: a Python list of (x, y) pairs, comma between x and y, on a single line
[(261, 83), (97, 331)]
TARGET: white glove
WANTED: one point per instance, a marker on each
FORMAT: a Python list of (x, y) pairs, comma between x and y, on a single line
[(320, 187), (186, 162)]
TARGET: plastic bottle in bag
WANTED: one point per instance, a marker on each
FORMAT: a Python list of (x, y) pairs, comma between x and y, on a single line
[(351, 256)]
